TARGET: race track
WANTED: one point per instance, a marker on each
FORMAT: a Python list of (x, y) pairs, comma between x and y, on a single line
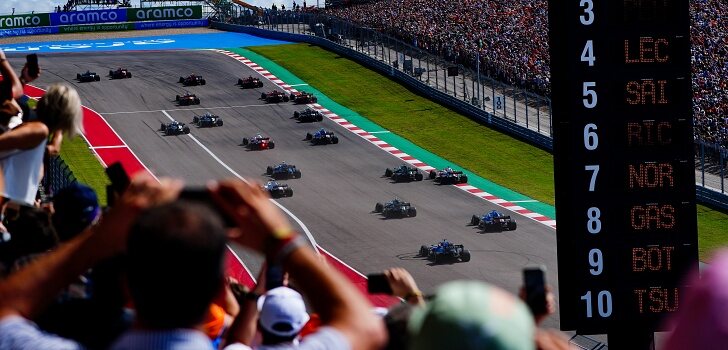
[(340, 183)]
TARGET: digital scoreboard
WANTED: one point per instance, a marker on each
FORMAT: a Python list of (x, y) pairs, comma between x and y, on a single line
[(623, 161)]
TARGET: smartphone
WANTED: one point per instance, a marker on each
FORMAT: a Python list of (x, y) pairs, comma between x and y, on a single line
[(377, 283), (273, 277), (32, 64), (534, 280), (119, 179), (203, 195)]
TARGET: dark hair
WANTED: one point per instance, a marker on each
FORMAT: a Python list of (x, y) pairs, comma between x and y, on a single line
[(33, 232), (175, 264)]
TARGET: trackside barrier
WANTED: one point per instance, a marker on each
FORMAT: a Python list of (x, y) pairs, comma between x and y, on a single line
[(705, 195), (105, 27), (57, 175)]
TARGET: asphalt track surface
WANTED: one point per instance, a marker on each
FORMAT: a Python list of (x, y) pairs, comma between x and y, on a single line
[(340, 184)]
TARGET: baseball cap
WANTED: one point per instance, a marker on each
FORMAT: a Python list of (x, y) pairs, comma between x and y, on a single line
[(76, 207), (282, 312), (472, 315)]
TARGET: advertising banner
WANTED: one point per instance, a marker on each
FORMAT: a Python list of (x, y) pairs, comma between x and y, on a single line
[(164, 13), (88, 17), (97, 28), (27, 20), (28, 31), (171, 24)]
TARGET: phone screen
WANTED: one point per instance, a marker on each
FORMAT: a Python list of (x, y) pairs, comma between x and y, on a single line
[(535, 283), (378, 283), (32, 63)]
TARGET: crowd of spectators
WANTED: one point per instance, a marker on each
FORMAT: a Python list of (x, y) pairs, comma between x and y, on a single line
[(511, 38), (71, 4)]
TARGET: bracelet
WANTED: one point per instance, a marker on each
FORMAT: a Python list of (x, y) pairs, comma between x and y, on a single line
[(414, 294), (279, 251)]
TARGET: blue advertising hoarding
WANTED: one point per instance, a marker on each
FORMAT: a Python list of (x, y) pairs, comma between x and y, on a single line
[(88, 17)]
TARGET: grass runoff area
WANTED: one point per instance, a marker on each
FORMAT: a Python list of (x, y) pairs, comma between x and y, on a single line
[(500, 158)]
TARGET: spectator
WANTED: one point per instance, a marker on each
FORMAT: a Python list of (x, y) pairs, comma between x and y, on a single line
[(472, 315), (75, 208), (168, 316)]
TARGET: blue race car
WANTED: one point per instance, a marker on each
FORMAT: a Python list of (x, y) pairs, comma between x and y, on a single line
[(207, 120), (322, 137), (445, 251), (283, 171), (494, 221), (308, 115)]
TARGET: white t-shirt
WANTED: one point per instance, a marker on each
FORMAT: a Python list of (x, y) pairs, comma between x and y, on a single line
[(21, 171), (326, 338)]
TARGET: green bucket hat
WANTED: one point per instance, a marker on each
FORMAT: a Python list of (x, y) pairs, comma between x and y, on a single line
[(469, 315)]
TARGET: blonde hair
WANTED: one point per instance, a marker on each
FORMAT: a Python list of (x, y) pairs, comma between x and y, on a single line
[(60, 109)]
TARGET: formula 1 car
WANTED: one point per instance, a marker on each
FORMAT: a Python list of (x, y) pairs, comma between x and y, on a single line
[(303, 97), (448, 176), (250, 82), (120, 73), (322, 137), (403, 173), (187, 99), (207, 120), (274, 96), (308, 115), (396, 209), (88, 76), (278, 190), (493, 221), (445, 251), (283, 171), (192, 80), (258, 142), (174, 128)]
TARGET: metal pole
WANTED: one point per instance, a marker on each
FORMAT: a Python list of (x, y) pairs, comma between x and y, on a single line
[(538, 119), (427, 63), (722, 172), (702, 162), (465, 91), (526, 104), (515, 111), (477, 67)]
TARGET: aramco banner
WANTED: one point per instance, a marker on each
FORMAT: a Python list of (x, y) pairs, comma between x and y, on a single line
[(88, 17), (25, 21), (164, 13)]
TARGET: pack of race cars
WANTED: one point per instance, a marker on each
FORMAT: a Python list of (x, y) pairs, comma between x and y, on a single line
[(441, 252)]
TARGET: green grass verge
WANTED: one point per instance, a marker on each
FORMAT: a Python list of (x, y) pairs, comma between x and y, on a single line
[(500, 158), (85, 166), (495, 156)]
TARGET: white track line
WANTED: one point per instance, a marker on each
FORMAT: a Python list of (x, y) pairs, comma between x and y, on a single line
[(235, 173), (187, 109)]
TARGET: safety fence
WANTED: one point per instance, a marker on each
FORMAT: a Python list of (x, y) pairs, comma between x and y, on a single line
[(514, 111), (57, 175)]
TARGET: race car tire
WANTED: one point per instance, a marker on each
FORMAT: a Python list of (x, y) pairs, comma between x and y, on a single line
[(176, 98), (378, 207), (297, 174), (271, 145), (111, 73), (418, 177), (203, 82), (424, 250), (197, 101), (388, 172), (195, 120), (334, 140), (319, 117), (465, 255), (245, 141), (162, 127), (433, 174), (438, 258), (181, 80), (512, 226), (309, 136), (288, 192), (269, 170), (78, 76), (262, 96), (285, 98), (128, 74), (474, 220), (186, 130), (97, 78), (292, 96), (219, 122), (463, 179), (260, 84), (240, 82), (314, 100), (412, 212), (296, 115)]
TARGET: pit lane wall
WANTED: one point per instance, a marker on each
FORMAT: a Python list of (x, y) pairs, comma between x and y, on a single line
[(704, 195), (102, 20)]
